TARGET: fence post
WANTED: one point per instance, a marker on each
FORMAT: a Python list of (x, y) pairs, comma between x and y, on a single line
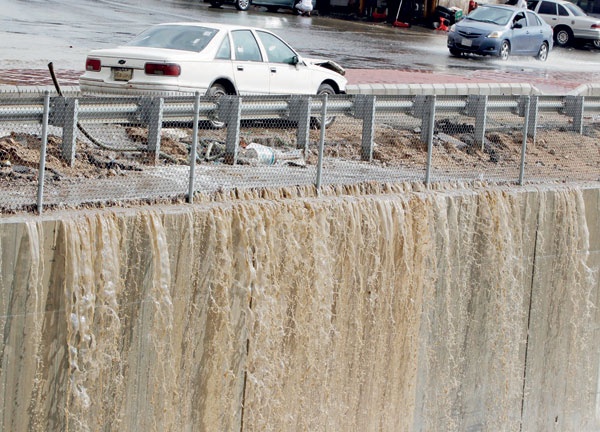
[(230, 111), (532, 114), (321, 142), (429, 121), (364, 108), (194, 149), (300, 112), (525, 134), (42, 167), (574, 108)]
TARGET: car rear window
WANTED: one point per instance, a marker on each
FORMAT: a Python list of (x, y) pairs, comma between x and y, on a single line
[(177, 37)]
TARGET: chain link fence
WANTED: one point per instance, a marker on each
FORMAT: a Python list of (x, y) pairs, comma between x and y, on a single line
[(62, 152)]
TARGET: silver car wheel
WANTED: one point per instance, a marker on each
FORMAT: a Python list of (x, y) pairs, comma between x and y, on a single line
[(242, 4), (216, 91), (597, 43), (563, 37), (316, 121), (504, 50), (543, 52)]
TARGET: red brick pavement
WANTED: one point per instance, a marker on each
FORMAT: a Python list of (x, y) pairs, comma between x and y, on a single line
[(551, 83)]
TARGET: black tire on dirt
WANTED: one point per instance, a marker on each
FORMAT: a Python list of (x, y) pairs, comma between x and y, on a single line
[(455, 52)]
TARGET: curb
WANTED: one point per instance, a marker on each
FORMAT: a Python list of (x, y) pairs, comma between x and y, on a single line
[(452, 89)]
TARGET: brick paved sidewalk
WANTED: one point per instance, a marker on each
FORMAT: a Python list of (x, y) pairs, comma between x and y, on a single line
[(549, 83)]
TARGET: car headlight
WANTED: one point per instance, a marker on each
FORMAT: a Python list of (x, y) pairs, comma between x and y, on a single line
[(495, 34)]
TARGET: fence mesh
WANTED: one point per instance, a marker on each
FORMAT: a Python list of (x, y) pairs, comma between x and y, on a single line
[(109, 150)]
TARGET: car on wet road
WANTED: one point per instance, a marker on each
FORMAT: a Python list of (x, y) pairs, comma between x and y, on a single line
[(271, 5), (502, 31), (569, 22), (213, 59)]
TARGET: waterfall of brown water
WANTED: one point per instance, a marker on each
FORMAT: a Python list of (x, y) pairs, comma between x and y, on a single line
[(373, 308)]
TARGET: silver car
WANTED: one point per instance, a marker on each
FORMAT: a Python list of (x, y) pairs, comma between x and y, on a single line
[(501, 30), (569, 21)]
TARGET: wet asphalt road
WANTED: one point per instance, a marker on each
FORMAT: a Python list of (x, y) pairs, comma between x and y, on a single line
[(36, 32)]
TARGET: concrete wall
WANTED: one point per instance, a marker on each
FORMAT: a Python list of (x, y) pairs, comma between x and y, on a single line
[(391, 308)]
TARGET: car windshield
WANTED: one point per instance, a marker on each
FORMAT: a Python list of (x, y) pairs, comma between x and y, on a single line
[(575, 10), (491, 15), (177, 37)]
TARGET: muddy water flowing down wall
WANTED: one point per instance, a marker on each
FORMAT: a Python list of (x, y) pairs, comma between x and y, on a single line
[(402, 309)]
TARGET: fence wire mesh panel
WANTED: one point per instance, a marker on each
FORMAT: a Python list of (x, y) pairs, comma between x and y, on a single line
[(20, 144), (397, 139), (566, 145), (463, 148), (106, 150)]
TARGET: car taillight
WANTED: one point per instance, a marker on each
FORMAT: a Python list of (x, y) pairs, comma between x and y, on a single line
[(596, 26), (169, 69), (92, 64)]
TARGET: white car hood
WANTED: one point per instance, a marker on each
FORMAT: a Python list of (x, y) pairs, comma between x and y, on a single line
[(327, 64)]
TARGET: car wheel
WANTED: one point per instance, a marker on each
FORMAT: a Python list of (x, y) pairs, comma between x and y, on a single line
[(563, 36), (216, 4), (542, 54), (455, 52), (316, 121), (216, 91), (242, 4), (597, 43), (504, 50)]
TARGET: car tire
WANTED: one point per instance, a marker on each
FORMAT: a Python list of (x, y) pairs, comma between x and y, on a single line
[(596, 43), (542, 54), (316, 121), (242, 5), (216, 91), (216, 4), (455, 52), (504, 52), (563, 36)]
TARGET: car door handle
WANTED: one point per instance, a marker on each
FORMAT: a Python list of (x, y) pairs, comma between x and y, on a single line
[(240, 68), (273, 69)]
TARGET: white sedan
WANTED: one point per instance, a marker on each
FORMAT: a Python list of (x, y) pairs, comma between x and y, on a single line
[(214, 59)]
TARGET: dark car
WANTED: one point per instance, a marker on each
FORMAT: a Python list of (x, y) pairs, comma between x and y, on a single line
[(501, 30), (271, 5)]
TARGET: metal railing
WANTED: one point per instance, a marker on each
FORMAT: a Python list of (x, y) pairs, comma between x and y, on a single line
[(72, 115)]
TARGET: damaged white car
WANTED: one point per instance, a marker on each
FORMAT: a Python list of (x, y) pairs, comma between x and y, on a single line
[(214, 59)]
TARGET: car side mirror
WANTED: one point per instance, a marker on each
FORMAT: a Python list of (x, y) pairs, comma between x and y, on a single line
[(294, 60)]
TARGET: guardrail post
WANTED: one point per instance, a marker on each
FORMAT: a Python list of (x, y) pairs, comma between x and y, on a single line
[(151, 115), (423, 106), (364, 108), (477, 107), (64, 114), (300, 112), (230, 112), (574, 108)]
